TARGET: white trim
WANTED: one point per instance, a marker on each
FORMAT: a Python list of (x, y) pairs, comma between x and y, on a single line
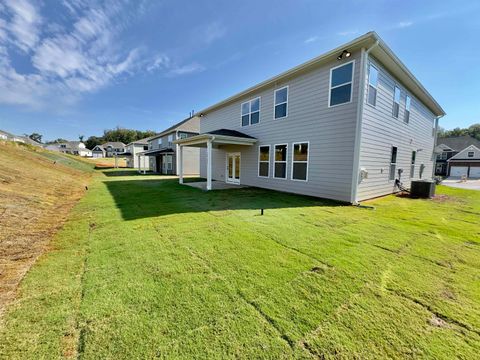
[(286, 162), (393, 163), (395, 86), (409, 111), (227, 155), (249, 102), (285, 102), (330, 88), (371, 65), (269, 157), (293, 160)]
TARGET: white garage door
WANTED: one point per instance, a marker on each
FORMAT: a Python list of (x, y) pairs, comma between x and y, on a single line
[(459, 170), (475, 172)]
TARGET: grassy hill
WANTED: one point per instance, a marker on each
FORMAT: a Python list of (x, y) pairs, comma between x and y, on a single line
[(37, 190)]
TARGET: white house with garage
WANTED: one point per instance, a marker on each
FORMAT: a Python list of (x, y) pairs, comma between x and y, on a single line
[(347, 125), (466, 163)]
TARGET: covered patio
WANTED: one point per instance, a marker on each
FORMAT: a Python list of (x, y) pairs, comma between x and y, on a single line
[(216, 185), (210, 140)]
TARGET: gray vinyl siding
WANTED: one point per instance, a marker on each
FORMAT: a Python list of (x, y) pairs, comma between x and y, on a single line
[(330, 132), (381, 131)]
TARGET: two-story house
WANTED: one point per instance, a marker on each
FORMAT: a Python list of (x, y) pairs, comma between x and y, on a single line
[(70, 147), (132, 151), (162, 151), (461, 151), (109, 149), (347, 125)]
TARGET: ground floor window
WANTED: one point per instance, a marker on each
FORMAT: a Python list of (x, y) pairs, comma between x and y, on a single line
[(412, 165), (300, 161), (280, 168), (264, 161), (393, 163)]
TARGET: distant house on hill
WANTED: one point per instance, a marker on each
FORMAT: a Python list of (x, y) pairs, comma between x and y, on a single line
[(131, 152), (109, 149), (458, 156), (6, 136), (70, 147)]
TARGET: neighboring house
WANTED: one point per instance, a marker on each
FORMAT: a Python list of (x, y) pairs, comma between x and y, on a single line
[(466, 163), (346, 126), (132, 152), (163, 152), (113, 148), (98, 152), (4, 135), (449, 147), (70, 147)]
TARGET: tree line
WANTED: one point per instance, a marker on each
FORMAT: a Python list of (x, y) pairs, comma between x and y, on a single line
[(473, 131)]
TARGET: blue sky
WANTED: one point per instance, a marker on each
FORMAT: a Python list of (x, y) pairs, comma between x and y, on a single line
[(81, 66)]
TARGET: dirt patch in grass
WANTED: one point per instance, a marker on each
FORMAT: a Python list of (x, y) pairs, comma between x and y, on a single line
[(36, 195)]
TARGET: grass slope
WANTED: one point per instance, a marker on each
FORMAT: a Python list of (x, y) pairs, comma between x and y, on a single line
[(146, 268), (37, 190)]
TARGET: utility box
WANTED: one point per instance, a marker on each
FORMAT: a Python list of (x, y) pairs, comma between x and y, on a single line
[(422, 189)]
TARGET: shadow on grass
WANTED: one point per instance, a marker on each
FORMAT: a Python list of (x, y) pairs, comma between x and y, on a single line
[(139, 199), (124, 172)]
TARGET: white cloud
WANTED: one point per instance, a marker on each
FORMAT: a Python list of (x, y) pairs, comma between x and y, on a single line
[(186, 69), (404, 24), (311, 39), (25, 23), (347, 32), (213, 32)]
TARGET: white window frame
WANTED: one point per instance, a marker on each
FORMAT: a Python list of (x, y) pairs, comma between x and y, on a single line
[(293, 160), (249, 102), (330, 88), (407, 111), (370, 65), (393, 163), (170, 140), (395, 102), (275, 161), (412, 163), (285, 102), (470, 152), (269, 157), (182, 135)]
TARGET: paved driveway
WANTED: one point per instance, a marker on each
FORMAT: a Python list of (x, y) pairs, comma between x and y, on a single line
[(469, 184)]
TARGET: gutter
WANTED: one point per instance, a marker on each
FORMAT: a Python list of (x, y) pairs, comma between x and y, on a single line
[(358, 130), (434, 146)]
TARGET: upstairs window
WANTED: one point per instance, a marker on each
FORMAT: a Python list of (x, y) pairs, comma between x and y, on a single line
[(280, 168), (251, 112), (170, 140), (182, 136), (264, 161), (393, 163), (372, 85), (396, 102), (341, 80), (471, 154), (281, 103), (412, 164), (300, 161), (145, 147), (407, 109)]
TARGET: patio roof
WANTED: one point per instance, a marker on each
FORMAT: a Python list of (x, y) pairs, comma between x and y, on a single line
[(157, 152), (218, 137)]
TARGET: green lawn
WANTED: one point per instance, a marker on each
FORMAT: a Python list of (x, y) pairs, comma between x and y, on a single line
[(147, 268)]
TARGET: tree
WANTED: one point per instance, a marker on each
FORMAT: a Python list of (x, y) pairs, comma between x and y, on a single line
[(56, 141), (118, 135), (81, 137), (93, 141), (472, 130), (36, 137)]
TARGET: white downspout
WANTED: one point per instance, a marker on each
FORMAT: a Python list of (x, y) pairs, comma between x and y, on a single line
[(358, 129), (434, 146)]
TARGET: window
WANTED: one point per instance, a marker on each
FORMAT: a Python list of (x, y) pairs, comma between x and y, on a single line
[(444, 156), (264, 161), (280, 168), (182, 135), (281, 103), (412, 164), (251, 112), (170, 140), (372, 85), (407, 109), (145, 147), (300, 161), (470, 154), (396, 102), (341, 79), (393, 163)]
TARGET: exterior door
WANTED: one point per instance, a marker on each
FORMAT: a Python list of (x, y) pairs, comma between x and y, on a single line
[(167, 164), (233, 168)]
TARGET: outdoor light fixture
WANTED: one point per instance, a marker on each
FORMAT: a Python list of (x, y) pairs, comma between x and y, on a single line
[(344, 54)]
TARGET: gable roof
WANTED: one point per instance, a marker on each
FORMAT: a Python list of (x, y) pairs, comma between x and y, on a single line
[(381, 52), (178, 126), (461, 154), (143, 141), (113, 144), (458, 143)]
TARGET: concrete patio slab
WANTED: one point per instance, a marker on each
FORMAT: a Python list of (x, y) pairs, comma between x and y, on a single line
[(216, 185)]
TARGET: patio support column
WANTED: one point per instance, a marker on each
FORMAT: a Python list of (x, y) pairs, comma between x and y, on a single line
[(139, 163), (209, 165), (180, 164)]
